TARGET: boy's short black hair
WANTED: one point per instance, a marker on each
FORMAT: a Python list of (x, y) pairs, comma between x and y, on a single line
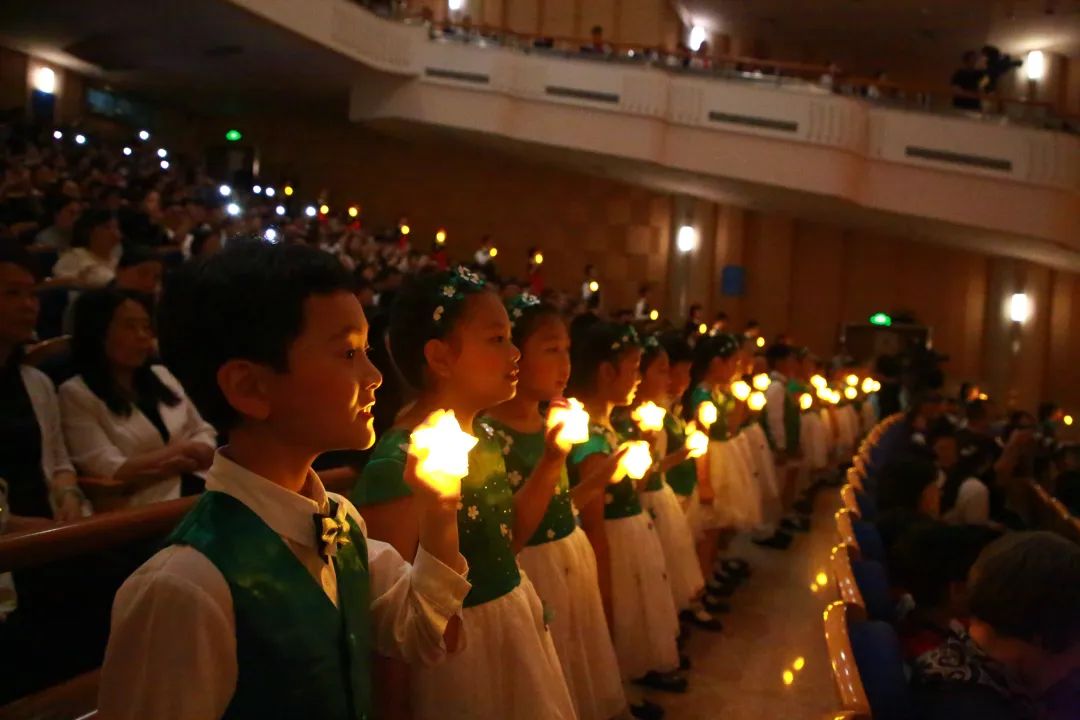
[(246, 301), (1026, 585)]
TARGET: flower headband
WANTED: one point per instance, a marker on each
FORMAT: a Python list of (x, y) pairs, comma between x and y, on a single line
[(629, 338), (460, 283), (519, 305)]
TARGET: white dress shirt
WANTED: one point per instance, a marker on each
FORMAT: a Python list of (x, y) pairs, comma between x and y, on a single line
[(774, 410), (172, 650), (100, 441)]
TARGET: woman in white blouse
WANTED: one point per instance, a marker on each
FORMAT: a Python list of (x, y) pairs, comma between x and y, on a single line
[(125, 418)]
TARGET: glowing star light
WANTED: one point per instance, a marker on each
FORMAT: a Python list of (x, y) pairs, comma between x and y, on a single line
[(637, 460), (574, 419), (756, 402), (806, 401), (706, 414), (697, 443), (762, 382), (741, 390), (442, 452), (649, 416)]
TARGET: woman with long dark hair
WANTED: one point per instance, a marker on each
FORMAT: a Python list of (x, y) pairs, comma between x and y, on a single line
[(124, 417)]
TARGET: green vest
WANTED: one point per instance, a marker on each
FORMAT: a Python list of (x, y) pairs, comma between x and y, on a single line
[(298, 656)]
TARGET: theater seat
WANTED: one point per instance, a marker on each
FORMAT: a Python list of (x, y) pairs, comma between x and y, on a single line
[(867, 666)]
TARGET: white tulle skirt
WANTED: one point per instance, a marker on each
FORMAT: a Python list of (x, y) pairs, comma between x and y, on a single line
[(645, 619), (564, 575), (812, 438), (677, 542), (508, 667)]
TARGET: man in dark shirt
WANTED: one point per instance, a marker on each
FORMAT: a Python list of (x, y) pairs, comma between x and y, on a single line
[(968, 79)]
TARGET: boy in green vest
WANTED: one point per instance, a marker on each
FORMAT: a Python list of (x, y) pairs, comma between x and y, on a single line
[(269, 600)]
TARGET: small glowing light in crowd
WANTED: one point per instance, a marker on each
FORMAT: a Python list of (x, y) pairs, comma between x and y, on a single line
[(1068, 420), (706, 414), (270, 235), (574, 419), (162, 152), (821, 578), (280, 209), (762, 382), (799, 664), (697, 36), (819, 382), (756, 401), (851, 392), (80, 139), (310, 211), (702, 329), (868, 385), (164, 164), (852, 379), (654, 315), (324, 209), (594, 286), (57, 135), (144, 135), (353, 211), (637, 460), (233, 209), (538, 258), (405, 229), (697, 443), (224, 190), (270, 192), (1035, 65), (789, 677), (442, 451), (45, 80), (233, 135), (741, 390), (806, 401), (257, 189), (649, 416), (288, 191), (760, 342), (686, 239), (127, 151), (493, 252), (1019, 308)]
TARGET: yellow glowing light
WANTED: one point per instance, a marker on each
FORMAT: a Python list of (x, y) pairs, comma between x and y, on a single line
[(442, 451), (654, 315), (440, 236), (1068, 420), (806, 401), (594, 286), (706, 414), (697, 443), (762, 382), (821, 579), (637, 460), (538, 259), (353, 211), (868, 385), (756, 401), (819, 382), (288, 190), (799, 664), (649, 416), (852, 379), (760, 342), (493, 252), (741, 390), (789, 677), (851, 392), (702, 329), (324, 209), (575, 422), (405, 229)]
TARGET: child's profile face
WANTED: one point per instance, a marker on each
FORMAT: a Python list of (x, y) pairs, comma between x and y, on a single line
[(484, 368), (325, 397), (654, 380), (544, 368)]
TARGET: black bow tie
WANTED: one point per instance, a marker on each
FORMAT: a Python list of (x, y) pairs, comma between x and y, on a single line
[(331, 531)]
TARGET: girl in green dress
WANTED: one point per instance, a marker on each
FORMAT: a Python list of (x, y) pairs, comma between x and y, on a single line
[(450, 340), (558, 557), (637, 598)]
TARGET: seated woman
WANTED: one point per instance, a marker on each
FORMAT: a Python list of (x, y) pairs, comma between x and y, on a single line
[(125, 418), (33, 458)]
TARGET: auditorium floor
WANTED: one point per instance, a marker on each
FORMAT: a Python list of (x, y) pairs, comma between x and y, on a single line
[(775, 618)]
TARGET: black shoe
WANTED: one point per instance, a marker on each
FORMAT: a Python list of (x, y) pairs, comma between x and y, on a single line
[(646, 710), (715, 605), (665, 682), (684, 662)]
